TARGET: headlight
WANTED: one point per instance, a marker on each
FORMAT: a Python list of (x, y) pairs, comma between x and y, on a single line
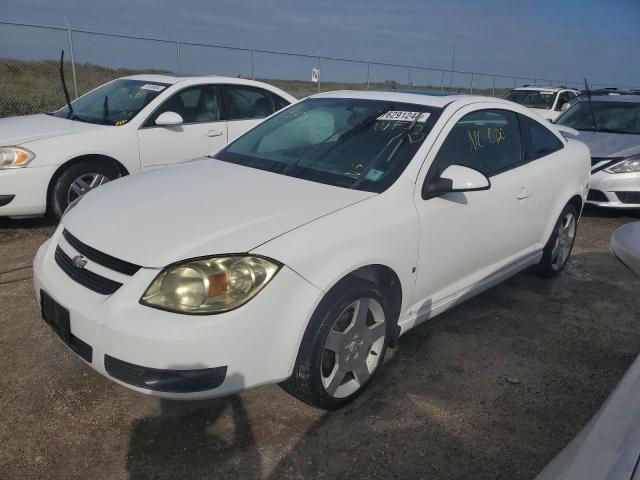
[(630, 165), (15, 157), (209, 285)]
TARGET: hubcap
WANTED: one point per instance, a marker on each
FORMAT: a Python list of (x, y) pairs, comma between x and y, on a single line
[(565, 235), (83, 184), (353, 347)]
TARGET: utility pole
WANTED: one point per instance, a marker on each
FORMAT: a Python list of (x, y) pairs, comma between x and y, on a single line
[(453, 62)]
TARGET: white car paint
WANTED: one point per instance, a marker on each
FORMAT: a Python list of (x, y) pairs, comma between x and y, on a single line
[(442, 249), (554, 112), (58, 141)]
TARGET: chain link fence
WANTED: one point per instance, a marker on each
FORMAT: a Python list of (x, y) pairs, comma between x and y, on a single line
[(30, 81)]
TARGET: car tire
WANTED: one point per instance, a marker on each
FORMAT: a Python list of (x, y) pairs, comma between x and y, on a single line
[(339, 342), (77, 180), (557, 251)]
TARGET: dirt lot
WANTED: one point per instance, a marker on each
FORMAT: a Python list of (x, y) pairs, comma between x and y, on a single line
[(492, 389)]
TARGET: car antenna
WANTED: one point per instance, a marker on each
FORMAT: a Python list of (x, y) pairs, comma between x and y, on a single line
[(64, 85), (593, 115)]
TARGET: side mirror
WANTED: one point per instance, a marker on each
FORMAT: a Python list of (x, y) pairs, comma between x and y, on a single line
[(565, 106), (455, 178), (169, 119)]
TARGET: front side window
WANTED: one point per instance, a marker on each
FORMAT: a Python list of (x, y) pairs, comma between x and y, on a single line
[(114, 103), (532, 98), (538, 140), (486, 140), (197, 104), (351, 143), (562, 99), (247, 102), (603, 116)]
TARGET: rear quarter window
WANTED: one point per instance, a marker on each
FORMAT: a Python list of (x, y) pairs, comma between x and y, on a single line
[(538, 140)]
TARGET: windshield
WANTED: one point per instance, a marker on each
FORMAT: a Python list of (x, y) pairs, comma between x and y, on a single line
[(532, 98), (611, 117), (359, 144), (114, 103)]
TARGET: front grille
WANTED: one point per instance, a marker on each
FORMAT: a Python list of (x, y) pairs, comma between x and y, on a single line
[(84, 277), (629, 197), (597, 196), (175, 381), (103, 259)]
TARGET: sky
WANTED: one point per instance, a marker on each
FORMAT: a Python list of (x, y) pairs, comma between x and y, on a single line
[(556, 39)]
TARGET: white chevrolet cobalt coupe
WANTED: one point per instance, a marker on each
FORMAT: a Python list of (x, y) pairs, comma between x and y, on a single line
[(129, 125), (307, 246)]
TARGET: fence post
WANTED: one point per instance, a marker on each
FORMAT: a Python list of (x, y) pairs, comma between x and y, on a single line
[(178, 58), (493, 88), (471, 92), (73, 60), (368, 73), (319, 74), (515, 80), (410, 77), (253, 52), (442, 82)]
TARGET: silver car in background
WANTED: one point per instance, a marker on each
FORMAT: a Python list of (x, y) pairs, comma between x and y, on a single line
[(610, 126)]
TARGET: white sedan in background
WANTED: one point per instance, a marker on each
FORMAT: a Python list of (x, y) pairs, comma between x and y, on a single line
[(546, 101), (309, 244), (128, 125)]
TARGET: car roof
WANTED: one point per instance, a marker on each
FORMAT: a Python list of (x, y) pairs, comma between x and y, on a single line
[(611, 98), (546, 88), (419, 97)]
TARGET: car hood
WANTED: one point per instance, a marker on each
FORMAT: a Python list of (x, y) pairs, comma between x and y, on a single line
[(29, 128), (199, 208), (611, 145)]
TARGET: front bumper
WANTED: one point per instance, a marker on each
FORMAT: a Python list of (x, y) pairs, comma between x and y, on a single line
[(28, 188), (615, 190), (252, 345)]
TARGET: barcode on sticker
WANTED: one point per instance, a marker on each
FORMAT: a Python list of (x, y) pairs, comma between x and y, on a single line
[(398, 116), (152, 87)]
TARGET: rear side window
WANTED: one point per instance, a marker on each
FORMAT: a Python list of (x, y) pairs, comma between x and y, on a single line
[(538, 140), (247, 102), (278, 102), (198, 104), (486, 140)]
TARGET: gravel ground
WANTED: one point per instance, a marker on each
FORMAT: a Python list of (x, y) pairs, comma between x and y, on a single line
[(491, 389)]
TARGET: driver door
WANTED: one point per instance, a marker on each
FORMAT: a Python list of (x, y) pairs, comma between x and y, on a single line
[(466, 237), (201, 133)]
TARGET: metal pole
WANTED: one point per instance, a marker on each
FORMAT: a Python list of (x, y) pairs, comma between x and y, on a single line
[(493, 89), (453, 62), (178, 57), (515, 80), (73, 59), (319, 72), (253, 52), (471, 92), (368, 73), (410, 83), (442, 82)]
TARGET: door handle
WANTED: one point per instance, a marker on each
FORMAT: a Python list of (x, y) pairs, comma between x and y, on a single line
[(214, 133), (524, 193)]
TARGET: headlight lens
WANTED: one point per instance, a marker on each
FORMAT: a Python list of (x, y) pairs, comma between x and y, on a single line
[(209, 285), (15, 157), (630, 165)]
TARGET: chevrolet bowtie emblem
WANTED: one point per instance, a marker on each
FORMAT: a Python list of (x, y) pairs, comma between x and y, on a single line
[(79, 261)]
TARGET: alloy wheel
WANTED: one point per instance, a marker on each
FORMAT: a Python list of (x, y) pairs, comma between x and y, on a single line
[(83, 184), (565, 236)]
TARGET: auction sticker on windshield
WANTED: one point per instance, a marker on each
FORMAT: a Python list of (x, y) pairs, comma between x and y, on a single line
[(400, 116), (151, 86)]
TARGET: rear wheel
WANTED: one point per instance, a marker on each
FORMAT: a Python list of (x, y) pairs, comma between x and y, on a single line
[(342, 348), (76, 181), (558, 249)]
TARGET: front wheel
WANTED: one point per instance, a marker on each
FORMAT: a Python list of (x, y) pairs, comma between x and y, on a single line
[(342, 347), (76, 181), (558, 249)]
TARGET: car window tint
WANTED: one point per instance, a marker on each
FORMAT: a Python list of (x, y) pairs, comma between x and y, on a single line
[(486, 140), (278, 102), (247, 102), (194, 104), (538, 140)]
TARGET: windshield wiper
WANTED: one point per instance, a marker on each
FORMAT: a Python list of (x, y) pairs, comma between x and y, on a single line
[(344, 135)]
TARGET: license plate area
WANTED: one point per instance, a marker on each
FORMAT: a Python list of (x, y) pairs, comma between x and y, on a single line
[(58, 318)]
